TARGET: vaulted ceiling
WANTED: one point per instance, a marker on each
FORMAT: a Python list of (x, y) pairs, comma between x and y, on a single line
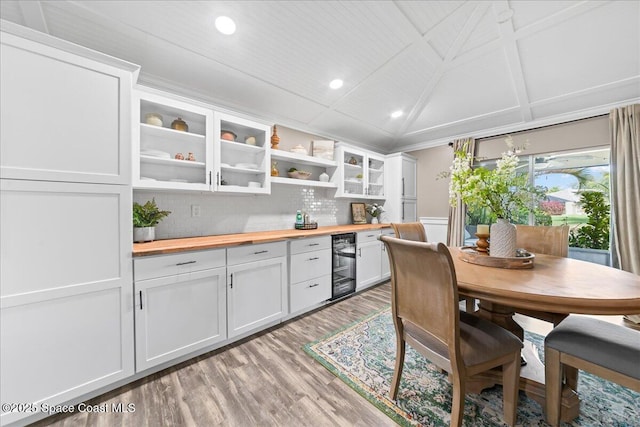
[(455, 68)]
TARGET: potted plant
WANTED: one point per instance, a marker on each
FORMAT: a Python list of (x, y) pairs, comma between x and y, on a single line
[(590, 241), (375, 211), (145, 219)]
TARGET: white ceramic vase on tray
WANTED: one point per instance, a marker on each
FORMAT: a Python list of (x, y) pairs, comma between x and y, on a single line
[(502, 239)]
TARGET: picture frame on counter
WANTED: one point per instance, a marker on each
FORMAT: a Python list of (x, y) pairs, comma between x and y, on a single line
[(358, 213)]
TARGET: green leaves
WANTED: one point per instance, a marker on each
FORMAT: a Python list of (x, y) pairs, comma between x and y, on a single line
[(502, 190), (147, 215), (595, 233)]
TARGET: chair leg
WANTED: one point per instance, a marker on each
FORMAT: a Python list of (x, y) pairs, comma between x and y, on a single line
[(470, 304), (457, 405), (553, 385), (510, 386), (397, 372), (571, 377)]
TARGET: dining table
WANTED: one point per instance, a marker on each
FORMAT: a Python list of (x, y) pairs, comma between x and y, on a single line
[(555, 286)]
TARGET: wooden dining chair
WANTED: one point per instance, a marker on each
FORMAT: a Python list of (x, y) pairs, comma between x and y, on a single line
[(548, 240), (424, 301), (410, 231)]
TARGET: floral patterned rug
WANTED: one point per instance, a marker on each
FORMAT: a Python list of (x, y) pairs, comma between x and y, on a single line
[(363, 355)]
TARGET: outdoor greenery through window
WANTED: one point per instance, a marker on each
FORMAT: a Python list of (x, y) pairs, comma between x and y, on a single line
[(576, 187)]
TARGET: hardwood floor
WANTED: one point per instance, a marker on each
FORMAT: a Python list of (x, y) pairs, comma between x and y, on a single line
[(264, 380)]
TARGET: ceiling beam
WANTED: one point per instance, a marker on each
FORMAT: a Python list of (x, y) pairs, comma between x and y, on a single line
[(503, 15), (33, 15), (470, 24)]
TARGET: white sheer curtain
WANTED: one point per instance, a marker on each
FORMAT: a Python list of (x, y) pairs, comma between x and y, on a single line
[(455, 230), (624, 127)]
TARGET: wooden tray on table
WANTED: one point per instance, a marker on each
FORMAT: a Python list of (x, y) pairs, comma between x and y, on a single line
[(471, 255)]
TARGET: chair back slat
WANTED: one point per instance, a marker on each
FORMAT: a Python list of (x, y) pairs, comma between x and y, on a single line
[(410, 231)]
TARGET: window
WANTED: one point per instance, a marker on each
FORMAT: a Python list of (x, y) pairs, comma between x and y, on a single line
[(565, 176)]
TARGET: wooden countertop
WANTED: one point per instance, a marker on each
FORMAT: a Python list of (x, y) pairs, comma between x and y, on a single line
[(167, 246)]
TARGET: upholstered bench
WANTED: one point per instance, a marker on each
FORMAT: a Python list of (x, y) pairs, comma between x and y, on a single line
[(604, 349)]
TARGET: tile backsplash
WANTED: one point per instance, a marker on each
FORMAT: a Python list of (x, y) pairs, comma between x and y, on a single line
[(225, 214)]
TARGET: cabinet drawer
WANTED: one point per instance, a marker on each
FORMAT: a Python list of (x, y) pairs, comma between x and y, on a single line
[(308, 265), (310, 292), (186, 262), (368, 236), (388, 232), (251, 253), (309, 244)]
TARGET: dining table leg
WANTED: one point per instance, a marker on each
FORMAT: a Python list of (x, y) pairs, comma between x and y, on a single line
[(531, 375)]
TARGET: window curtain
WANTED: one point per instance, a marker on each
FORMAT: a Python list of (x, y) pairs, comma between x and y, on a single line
[(455, 228), (624, 127)]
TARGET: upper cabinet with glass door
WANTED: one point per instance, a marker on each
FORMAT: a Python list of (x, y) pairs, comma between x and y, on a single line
[(375, 176), (173, 143), (360, 174), (243, 164)]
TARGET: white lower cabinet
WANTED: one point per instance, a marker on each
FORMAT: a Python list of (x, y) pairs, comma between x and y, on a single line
[(368, 268), (66, 317), (181, 313), (310, 272), (385, 268), (256, 286)]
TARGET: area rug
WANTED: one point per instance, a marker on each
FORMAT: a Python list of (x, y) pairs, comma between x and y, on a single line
[(363, 354)]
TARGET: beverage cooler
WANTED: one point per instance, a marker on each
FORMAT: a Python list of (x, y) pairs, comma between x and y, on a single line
[(343, 265)]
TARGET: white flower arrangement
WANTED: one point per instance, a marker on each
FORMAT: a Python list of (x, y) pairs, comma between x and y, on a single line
[(502, 189), (374, 210)]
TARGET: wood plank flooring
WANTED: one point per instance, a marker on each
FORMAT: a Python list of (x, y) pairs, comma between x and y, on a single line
[(264, 380)]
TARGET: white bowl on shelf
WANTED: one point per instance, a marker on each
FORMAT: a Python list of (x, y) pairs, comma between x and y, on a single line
[(255, 184)]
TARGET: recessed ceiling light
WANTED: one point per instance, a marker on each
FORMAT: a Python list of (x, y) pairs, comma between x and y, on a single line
[(396, 114), (225, 25), (336, 84)]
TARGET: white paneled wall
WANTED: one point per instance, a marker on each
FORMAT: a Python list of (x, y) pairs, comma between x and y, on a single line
[(436, 228), (224, 214)]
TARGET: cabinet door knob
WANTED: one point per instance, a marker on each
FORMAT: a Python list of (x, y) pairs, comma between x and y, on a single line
[(186, 262), (140, 299), (313, 259), (260, 252), (314, 285)]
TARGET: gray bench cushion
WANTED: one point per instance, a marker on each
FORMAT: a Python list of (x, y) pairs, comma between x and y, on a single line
[(602, 343)]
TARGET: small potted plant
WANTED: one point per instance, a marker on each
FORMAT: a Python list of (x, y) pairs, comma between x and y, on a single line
[(145, 219), (375, 211)]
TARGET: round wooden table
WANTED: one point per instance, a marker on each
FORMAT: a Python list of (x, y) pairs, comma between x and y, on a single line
[(555, 286)]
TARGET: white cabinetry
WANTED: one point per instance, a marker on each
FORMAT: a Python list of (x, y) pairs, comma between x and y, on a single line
[(156, 144), (66, 290), (65, 228), (368, 268), (257, 286), (316, 165), (359, 174), (64, 117), (310, 272), (401, 184), (385, 269), (180, 305), (241, 166)]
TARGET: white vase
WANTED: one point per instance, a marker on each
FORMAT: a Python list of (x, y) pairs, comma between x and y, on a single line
[(374, 220), (502, 237), (144, 234)]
